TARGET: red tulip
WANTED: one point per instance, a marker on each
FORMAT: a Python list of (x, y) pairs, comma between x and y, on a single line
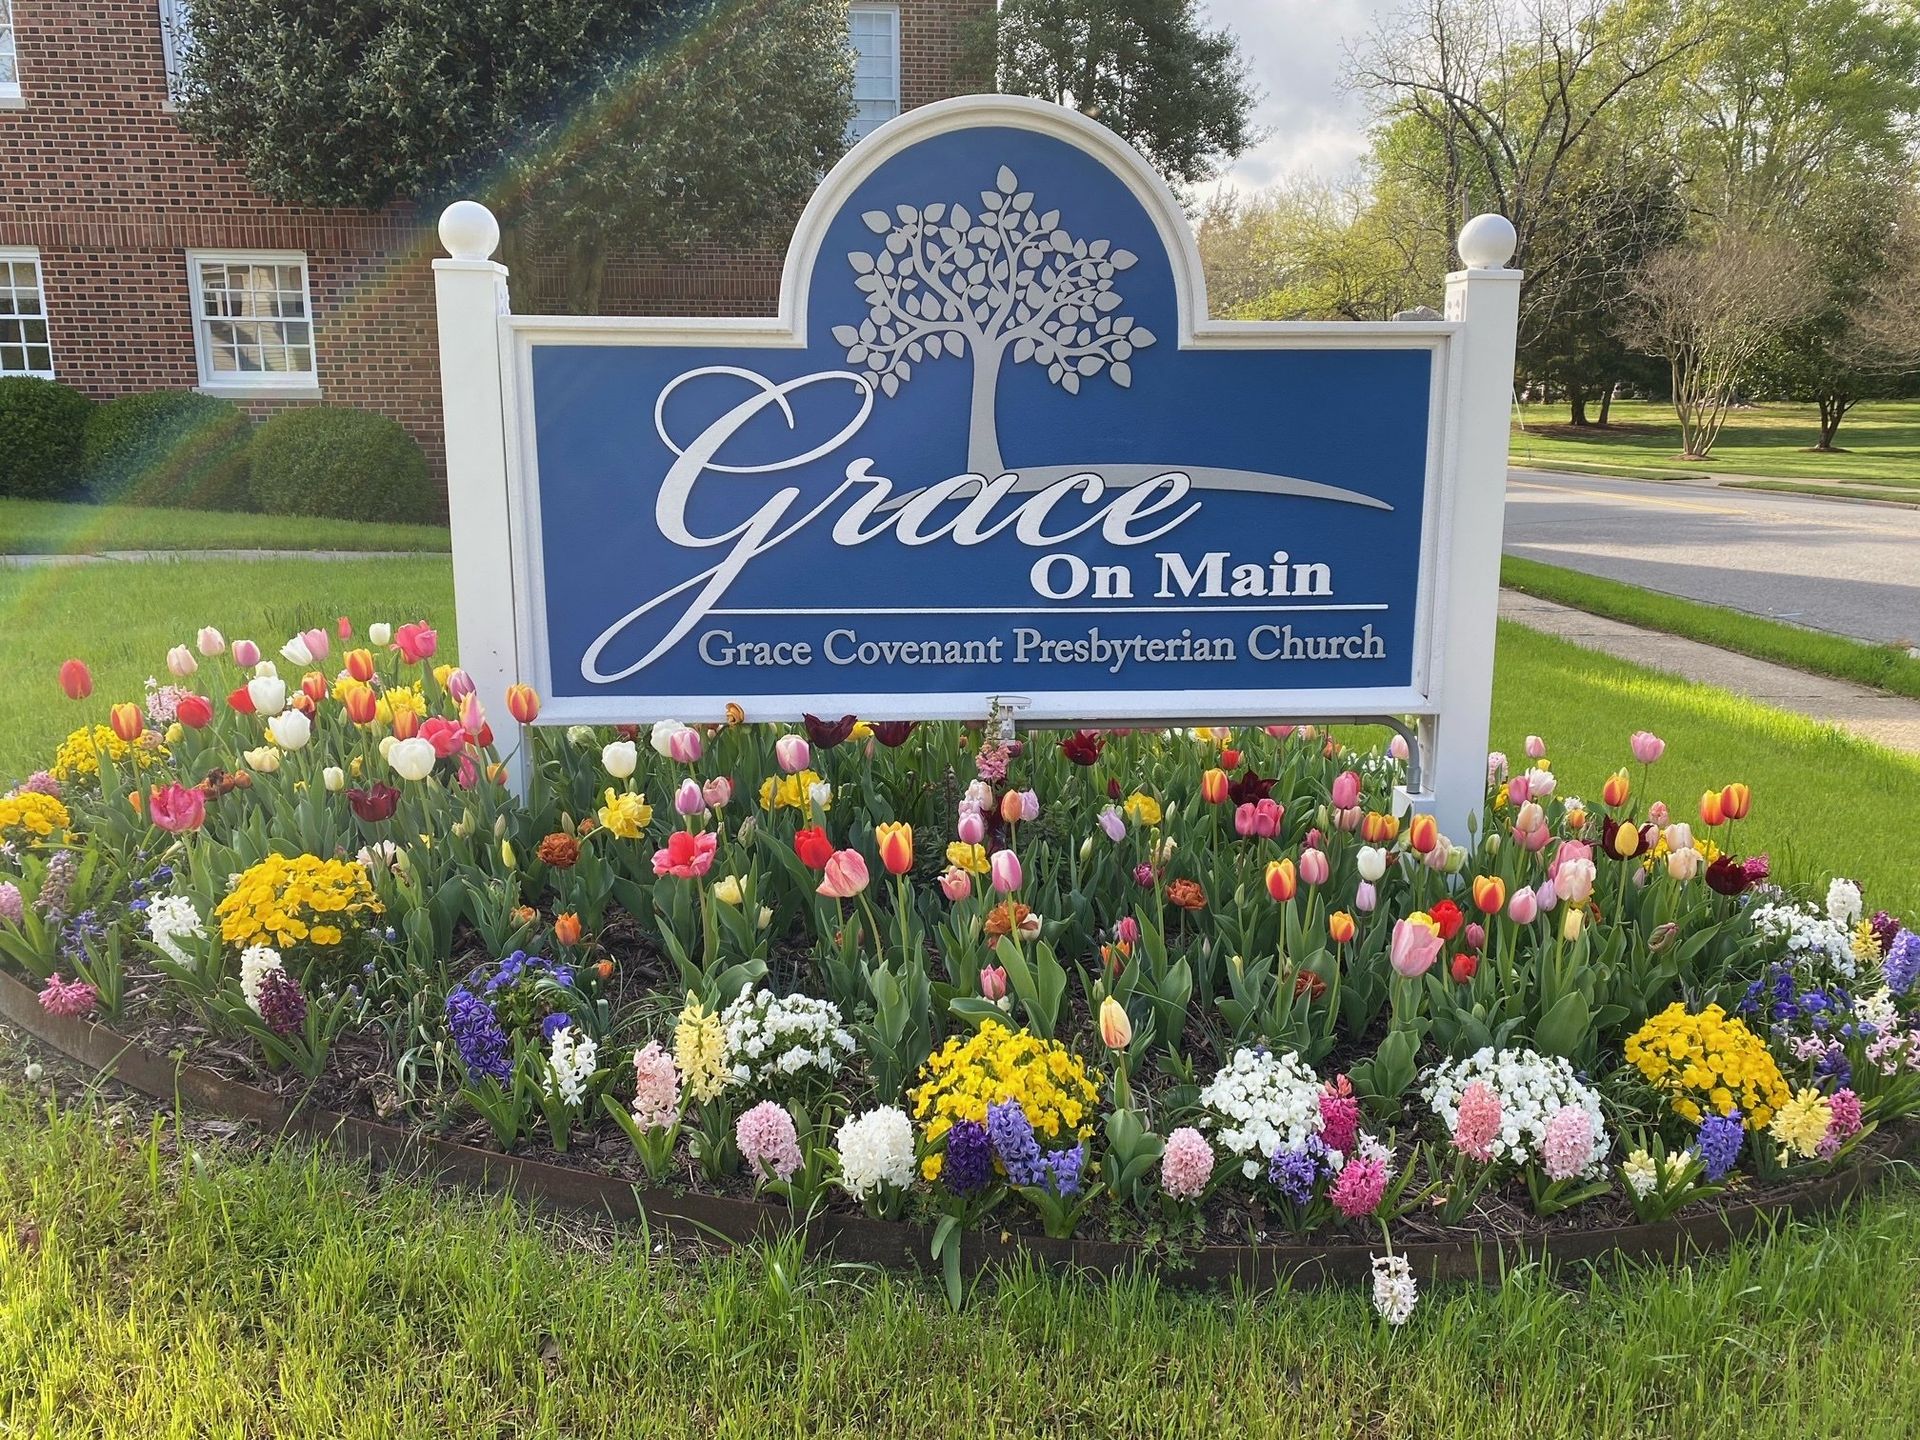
[(1082, 747), (813, 847), (194, 711), (127, 721), (1447, 918), (76, 679), (375, 804), (1465, 965), (241, 700)]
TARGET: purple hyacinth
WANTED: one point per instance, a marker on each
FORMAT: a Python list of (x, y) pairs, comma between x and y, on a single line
[(1013, 1142), (1064, 1168), (51, 902), (1719, 1142), (1885, 929), (1295, 1171), (554, 1023), (477, 1035), (969, 1158), (283, 1007), (1902, 966)]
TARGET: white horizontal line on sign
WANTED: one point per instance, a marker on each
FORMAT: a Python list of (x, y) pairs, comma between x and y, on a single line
[(1052, 614)]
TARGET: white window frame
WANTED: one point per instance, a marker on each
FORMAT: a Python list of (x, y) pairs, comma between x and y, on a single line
[(251, 384), (14, 254), (11, 97), (892, 15), (176, 43)]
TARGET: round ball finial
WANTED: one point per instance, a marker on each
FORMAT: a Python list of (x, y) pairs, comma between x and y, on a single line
[(1487, 242), (469, 231)]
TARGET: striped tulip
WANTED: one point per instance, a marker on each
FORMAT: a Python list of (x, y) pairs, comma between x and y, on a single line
[(1283, 881), (1735, 801), (1489, 894), (895, 840), (360, 665), (523, 703), (127, 722)]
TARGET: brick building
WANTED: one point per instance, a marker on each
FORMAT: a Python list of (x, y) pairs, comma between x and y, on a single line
[(132, 258)]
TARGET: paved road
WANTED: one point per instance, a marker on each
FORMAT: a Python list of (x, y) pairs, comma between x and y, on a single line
[(1852, 569)]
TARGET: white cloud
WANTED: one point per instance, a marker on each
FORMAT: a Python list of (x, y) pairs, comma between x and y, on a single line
[(1295, 49)]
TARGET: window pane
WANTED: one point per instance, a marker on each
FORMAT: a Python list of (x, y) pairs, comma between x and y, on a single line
[(254, 315), (873, 34), (24, 346)]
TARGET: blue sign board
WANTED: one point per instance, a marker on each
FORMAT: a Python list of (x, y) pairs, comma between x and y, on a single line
[(991, 445)]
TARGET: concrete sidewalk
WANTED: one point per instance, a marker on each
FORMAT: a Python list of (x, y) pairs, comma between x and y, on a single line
[(1890, 720)]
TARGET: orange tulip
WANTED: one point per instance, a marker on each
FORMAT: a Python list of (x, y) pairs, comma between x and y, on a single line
[(126, 721), (406, 724), (1735, 801), (1489, 894), (1616, 789), (360, 665), (1213, 786), (566, 928), (1423, 833), (76, 679), (895, 839), (1340, 927), (523, 703), (362, 705), (1282, 880), (1712, 812), (314, 685), (1379, 828)]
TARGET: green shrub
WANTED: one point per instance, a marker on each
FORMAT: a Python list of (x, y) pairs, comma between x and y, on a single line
[(41, 428), (337, 461), (170, 447)]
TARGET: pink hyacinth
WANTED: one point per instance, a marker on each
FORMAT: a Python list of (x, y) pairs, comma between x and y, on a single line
[(68, 999), (1187, 1164), (1844, 1125), (1339, 1116), (1568, 1143), (768, 1142), (1478, 1123), (1358, 1188), (41, 782), (656, 1088), (11, 906)]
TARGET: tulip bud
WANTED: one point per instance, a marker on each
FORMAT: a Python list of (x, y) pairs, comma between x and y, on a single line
[(972, 828), (506, 854), (993, 983), (246, 654), (1536, 747), (1116, 1030), (523, 703), (1364, 897), (684, 746), (1571, 926), (76, 679), (126, 720), (334, 778), (1614, 792), (210, 642), (1346, 790)]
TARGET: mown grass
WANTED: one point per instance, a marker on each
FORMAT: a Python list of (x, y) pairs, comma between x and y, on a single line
[(1885, 667), (1879, 440), (1882, 490), (51, 527), (283, 1294)]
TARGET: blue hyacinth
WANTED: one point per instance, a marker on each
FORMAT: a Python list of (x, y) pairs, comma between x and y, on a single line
[(1719, 1142)]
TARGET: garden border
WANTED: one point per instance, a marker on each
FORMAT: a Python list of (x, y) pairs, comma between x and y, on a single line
[(892, 1243)]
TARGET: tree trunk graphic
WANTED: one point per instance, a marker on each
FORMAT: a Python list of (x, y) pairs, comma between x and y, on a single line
[(983, 430)]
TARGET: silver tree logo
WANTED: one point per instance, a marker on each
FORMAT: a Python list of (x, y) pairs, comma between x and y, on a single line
[(1005, 282)]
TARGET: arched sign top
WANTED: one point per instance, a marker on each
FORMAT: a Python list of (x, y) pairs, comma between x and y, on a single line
[(990, 442)]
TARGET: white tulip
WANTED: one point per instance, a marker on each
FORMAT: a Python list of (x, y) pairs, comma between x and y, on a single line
[(387, 742), (412, 759), (268, 693), (334, 778), (290, 730), (180, 662), (663, 733), (265, 759), (296, 650), (380, 633), (620, 758), (820, 795), (211, 642), (1372, 861)]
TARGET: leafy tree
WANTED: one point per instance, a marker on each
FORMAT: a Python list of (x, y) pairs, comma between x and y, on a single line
[(1146, 69), (592, 125)]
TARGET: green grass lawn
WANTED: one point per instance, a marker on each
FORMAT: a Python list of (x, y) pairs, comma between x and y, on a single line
[(1886, 667), (1880, 443), (275, 1294), (51, 527)]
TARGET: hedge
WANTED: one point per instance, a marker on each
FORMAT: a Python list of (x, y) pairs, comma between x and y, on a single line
[(336, 461)]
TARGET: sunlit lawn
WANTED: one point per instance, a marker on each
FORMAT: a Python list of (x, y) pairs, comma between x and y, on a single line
[(1879, 440), (53, 527)]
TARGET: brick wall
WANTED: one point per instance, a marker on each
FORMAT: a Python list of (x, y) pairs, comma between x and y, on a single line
[(96, 174)]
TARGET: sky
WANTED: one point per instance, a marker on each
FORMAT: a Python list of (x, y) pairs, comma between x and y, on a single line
[(1295, 50)]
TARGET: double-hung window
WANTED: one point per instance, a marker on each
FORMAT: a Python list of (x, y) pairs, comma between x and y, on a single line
[(252, 320), (176, 43), (873, 31), (25, 348), (10, 97)]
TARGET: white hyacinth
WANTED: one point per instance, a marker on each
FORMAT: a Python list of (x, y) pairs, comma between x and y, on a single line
[(780, 1037), (169, 919), (1262, 1103), (1531, 1088), (1395, 1291), (256, 963), (876, 1149), (1844, 907), (570, 1065)]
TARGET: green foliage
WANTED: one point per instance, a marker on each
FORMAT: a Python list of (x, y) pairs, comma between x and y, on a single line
[(593, 122), (1146, 69), (169, 447), (338, 461), (43, 422)]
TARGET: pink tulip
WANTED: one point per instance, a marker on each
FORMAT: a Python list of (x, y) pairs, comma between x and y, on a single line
[(1413, 949), (1647, 747), (1523, 906), (792, 753), (1127, 930), (1364, 897), (1314, 867), (845, 875), (1004, 870), (683, 746), (473, 715), (1536, 748), (1267, 815), (1517, 790), (1112, 823), (1541, 783), (688, 799), (1348, 820), (246, 654), (317, 643), (1243, 819), (956, 884), (1279, 732), (459, 683), (177, 808), (1397, 747), (717, 792), (1574, 880), (1657, 813), (993, 983), (972, 827), (1547, 896), (1346, 790), (1029, 805)]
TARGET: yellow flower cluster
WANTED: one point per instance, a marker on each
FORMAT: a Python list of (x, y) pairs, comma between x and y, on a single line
[(1866, 944), (80, 753), (790, 792), (400, 697), (970, 858), (626, 814), (1803, 1123), (302, 900), (993, 1065), (1708, 1061), (700, 1050), (1142, 808), (31, 816)]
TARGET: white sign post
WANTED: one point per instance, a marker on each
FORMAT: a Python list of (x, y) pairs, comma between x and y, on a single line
[(1241, 521)]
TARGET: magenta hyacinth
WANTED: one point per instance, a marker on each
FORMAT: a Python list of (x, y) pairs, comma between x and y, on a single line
[(68, 999), (1359, 1187)]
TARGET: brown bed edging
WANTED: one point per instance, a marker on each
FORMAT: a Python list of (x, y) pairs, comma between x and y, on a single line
[(860, 1238)]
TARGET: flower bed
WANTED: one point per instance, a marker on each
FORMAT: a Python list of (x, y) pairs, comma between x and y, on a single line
[(1185, 992)]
